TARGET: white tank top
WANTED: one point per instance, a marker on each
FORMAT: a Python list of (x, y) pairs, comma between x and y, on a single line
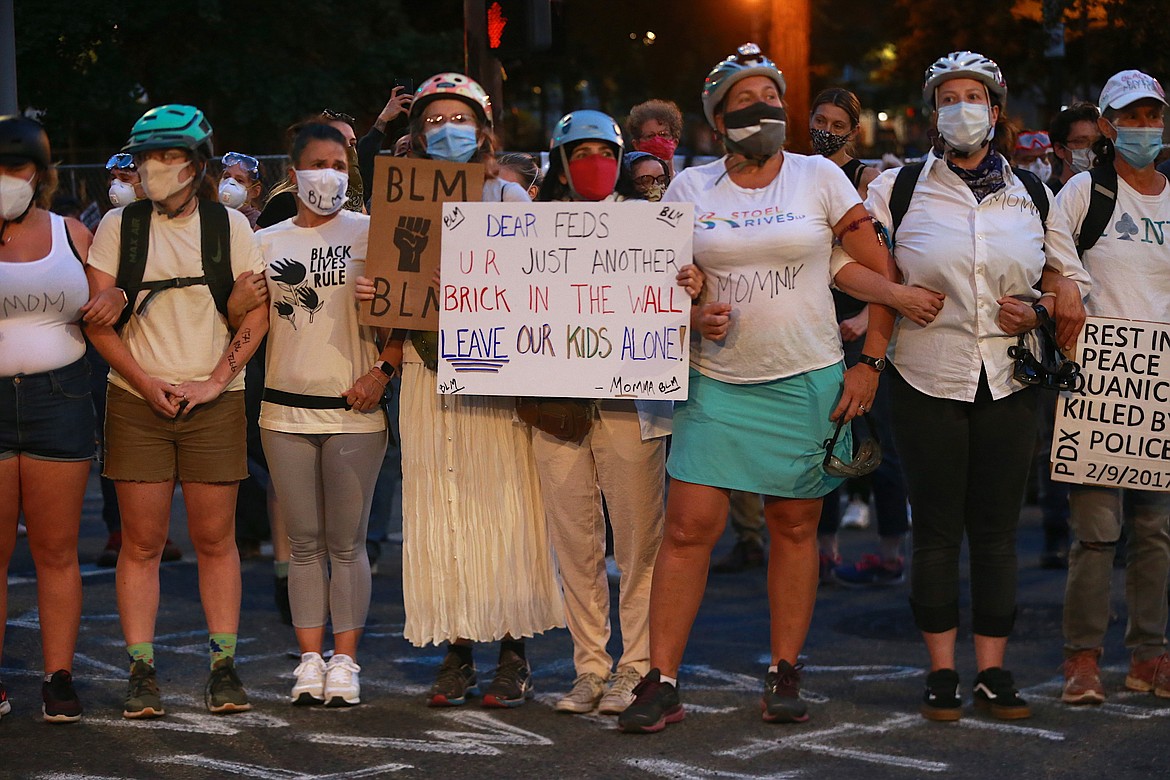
[(40, 304)]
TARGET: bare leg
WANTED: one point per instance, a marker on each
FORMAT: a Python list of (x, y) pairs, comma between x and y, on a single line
[(9, 513), (941, 647), (146, 514), (792, 572), (989, 651), (695, 518), (51, 496), (211, 524)]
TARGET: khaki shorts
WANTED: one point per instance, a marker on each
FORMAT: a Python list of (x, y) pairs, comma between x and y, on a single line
[(208, 445)]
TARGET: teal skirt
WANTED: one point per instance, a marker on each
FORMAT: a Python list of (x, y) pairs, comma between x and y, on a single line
[(764, 438)]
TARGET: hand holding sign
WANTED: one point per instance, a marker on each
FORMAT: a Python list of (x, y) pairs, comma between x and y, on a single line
[(411, 238)]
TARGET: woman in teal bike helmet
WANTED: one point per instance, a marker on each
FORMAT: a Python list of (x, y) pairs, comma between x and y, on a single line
[(175, 409)]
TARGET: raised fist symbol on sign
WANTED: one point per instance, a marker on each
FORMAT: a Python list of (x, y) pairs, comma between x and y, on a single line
[(411, 238)]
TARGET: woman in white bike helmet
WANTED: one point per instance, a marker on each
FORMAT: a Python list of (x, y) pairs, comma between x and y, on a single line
[(471, 513), (767, 381), (975, 230)]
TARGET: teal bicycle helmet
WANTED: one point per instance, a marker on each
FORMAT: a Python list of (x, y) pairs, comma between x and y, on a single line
[(747, 61), (171, 126)]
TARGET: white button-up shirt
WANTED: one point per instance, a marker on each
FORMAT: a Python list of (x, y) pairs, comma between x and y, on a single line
[(974, 253)]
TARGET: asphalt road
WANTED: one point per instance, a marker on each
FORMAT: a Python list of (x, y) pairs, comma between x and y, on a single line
[(863, 676)]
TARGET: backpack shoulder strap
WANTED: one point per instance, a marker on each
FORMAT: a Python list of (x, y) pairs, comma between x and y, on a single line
[(1036, 192), (902, 192), (215, 239), (135, 241), (1102, 199)]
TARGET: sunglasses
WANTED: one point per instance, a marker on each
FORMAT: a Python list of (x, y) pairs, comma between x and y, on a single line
[(337, 116), (122, 161), (247, 162), (867, 458), (647, 180), (455, 119), (1062, 375)]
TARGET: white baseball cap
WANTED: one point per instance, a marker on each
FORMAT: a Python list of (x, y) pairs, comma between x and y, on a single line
[(1130, 85)]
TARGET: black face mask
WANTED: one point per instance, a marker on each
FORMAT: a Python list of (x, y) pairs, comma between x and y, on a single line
[(757, 132)]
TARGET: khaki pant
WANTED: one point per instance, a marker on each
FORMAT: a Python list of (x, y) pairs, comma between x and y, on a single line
[(612, 460), (1096, 518)]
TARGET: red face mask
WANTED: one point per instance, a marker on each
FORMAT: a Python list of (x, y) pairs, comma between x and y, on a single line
[(593, 177), (659, 146)]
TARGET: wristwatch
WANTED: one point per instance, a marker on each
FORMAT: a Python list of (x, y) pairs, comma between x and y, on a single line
[(877, 364), (383, 367)]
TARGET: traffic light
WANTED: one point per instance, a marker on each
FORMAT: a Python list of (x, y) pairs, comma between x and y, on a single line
[(518, 27)]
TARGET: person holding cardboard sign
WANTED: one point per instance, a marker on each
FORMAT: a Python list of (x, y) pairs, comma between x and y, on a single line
[(471, 512), (1132, 280), (767, 377), (615, 447)]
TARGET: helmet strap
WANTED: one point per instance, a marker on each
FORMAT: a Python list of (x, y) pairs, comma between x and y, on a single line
[(568, 176)]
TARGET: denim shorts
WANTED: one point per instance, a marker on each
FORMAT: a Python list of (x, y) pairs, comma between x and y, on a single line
[(48, 416)]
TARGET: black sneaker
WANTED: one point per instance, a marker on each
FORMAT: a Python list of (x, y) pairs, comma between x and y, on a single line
[(781, 702), (225, 693), (941, 700), (61, 704), (655, 704), (142, 696), (512, 685), (456, 679), (996, 695)]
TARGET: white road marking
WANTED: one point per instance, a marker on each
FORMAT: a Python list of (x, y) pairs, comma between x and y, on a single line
[(274, 773), (482, 742), (1009, 728), (197, 722), (679, 771)]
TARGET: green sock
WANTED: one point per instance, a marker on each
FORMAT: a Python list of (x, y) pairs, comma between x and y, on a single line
[(281, 569), (141, 651), (221, 646)]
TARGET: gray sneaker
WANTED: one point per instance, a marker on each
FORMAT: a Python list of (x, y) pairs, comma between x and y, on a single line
[(621, 691), (587, 690), (224, 692), (142, 697)]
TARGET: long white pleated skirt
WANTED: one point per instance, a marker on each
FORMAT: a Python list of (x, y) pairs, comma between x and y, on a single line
[(476, 559)]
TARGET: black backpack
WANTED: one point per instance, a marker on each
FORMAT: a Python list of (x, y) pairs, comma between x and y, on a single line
[(216, 246), (1101, 200), (907, 179)]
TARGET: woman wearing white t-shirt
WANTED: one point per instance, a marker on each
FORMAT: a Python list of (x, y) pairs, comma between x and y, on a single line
[(321, 421), (767, 377), (1130, 268), (966, 428)]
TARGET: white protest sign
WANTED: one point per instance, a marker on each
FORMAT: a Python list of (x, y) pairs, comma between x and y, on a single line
[(574, 300), (1116, 431)]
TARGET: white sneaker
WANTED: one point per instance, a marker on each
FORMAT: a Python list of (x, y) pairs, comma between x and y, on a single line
[(587, 690), (856, 515), (310, 684), (342, 688), (621, 691)]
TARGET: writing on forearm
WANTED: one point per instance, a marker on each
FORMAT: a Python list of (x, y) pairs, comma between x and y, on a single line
[(242, 338)]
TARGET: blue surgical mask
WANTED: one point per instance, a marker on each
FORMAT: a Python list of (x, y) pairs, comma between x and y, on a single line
[(453, 143), (1138, 146)]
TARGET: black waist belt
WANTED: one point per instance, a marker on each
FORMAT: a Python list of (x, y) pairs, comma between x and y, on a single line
[(304, 401)]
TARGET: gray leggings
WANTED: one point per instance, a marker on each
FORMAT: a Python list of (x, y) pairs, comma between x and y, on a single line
[(325, 483)]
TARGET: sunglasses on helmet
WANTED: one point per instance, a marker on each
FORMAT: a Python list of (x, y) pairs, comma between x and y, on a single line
[(867, 458), (338, 116), (122, 161)]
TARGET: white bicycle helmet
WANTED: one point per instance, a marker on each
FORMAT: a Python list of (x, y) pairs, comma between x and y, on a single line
[(965, 65), (748, 60)]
